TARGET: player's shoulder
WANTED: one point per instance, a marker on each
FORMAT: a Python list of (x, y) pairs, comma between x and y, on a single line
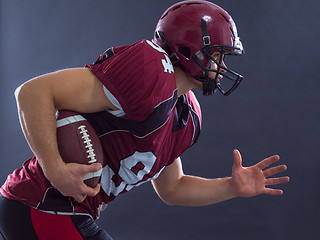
[(144, 57), (155, 81), (140, 76), (144, 46)]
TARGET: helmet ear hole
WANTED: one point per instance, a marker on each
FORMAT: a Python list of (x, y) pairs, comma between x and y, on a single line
[(157, 35), (185, 51)]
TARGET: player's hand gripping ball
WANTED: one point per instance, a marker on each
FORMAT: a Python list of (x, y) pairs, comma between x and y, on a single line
[(79, 143)]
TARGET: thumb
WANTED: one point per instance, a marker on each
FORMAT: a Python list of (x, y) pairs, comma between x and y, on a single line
[(237, 158), (94, 167)]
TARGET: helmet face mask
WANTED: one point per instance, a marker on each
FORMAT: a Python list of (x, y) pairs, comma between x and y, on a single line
[(225, 80), (190, 32)]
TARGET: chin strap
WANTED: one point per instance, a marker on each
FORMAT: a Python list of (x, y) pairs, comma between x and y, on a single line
[(208, 84), (173, 56), (206, 37)]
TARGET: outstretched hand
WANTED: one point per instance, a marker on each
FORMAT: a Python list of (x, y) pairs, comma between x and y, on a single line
[(252, 181)]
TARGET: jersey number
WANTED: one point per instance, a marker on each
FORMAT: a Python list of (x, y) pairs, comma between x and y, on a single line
[(166, 63), (132, 170)]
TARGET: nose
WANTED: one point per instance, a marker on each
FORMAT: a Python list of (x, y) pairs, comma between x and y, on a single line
[(224, 66), (215, 66)]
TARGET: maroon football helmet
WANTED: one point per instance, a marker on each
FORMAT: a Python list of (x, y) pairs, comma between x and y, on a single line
[(190, 32)]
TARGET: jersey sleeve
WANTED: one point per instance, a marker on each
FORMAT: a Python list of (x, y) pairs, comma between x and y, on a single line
[(139, 76)]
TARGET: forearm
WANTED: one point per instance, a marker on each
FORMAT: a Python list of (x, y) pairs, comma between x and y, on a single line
[(196, 191), (36, 111)]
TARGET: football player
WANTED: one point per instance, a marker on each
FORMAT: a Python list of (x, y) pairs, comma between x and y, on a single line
[(138, 98)]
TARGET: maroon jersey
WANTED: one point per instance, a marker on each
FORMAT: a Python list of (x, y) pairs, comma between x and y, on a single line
[(150, 130)]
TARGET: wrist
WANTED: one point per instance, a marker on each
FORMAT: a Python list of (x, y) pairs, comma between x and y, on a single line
[(51, 167), (230, 186)]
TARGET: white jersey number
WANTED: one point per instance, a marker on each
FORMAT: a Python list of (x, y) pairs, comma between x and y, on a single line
[(130, 177), (166, 63)]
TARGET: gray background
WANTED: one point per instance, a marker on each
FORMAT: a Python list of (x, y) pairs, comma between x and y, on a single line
[(274, 111)]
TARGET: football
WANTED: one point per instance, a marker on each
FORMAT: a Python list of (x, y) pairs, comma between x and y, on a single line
[(79, 143)]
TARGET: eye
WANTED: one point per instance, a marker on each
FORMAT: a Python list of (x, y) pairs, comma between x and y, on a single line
[(216, 56)]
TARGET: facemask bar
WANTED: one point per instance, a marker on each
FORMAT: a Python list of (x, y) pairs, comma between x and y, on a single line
[(212, 85)]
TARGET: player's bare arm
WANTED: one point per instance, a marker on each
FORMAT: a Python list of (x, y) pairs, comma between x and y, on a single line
[(37, 100), (175, 188)]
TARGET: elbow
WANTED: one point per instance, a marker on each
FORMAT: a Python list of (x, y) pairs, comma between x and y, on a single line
[(17, 91), (20, 93), (168, 198), (171, 203), (31, 92), (25, 94), (168, 202)]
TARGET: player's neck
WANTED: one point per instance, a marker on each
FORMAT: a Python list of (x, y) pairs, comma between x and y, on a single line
[(184, 81)]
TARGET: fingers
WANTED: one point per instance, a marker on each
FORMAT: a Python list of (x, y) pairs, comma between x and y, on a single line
[(274, 170), (92, 191), (87, 191), (271, 191), (82, 190), (268, 161), (237, 158), (274, 181)]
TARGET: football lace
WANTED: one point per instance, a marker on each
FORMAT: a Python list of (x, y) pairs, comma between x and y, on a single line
[(87, 142)]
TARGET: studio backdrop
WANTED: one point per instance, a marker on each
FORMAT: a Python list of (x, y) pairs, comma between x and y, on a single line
[(275, 110)]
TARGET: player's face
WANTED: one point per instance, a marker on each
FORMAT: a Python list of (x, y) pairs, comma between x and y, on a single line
[(216, 56)]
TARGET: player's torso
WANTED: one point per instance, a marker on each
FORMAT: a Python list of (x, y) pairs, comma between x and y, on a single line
[(155, 128), (137, 152)]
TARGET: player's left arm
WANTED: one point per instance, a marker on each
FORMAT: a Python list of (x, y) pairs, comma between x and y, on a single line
[(176, 188)]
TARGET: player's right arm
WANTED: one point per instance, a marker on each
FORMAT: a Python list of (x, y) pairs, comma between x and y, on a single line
[(37, 100)]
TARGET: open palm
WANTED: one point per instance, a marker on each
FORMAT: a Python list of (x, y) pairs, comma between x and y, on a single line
[(252, 181)]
